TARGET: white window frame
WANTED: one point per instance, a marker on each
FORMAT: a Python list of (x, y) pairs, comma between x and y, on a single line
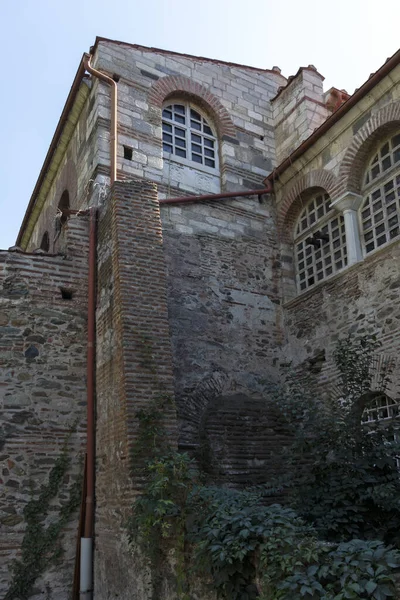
[(390, 221), (189, 131), (305, 228)]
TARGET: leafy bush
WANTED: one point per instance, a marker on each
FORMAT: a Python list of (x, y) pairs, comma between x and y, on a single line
[(343, 488), (345, 478)]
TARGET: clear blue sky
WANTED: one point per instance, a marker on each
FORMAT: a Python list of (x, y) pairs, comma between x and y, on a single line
[(42, 42)]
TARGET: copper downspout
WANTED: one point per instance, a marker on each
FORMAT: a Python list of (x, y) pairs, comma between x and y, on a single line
[(114, 99), (86, 548), (91, 338), (186, 199)]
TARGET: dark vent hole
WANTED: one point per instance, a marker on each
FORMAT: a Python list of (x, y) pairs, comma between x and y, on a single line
[(116, 77), (66, 294), (128, 152)]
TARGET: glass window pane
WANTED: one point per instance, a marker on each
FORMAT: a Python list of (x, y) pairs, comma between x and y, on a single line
[(369, 247), (167, 137), (207, 130), (389, 198), (179, 118), (385, 149), (381, 240), (396, 140), (375, 172), (197, 138), (180, 142), (207, 142), (197, 158), (209, 152), (195, 125), (180, 152), (179, 108), (167, 127), (167, 114), (167, 148), (195, 115), (388, 186), (209, 162), (196, 148), (386, 163), (180, 132)]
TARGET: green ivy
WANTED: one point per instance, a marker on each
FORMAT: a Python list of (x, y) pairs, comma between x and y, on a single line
[(342, 483), (41, 545)]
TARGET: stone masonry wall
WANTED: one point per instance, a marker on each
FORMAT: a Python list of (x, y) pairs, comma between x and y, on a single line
[(363, 299), (298, 109), (246, 155), (224, 307), (74, 172), (43, 392), (134, 370)]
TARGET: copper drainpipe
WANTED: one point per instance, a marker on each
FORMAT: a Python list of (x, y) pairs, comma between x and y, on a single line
[(114, 98), (86, 558), (86, 554)]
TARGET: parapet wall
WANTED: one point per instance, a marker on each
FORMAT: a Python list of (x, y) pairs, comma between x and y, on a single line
[(43, 393)]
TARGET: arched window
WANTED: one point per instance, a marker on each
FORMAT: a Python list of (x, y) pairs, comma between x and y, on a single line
[(380, 209), (45, 243), (320, 242), (381, 408), (64, 205), (188, 136)]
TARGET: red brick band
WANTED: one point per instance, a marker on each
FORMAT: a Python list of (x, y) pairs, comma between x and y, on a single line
[(294, 199), (180, 85), (354, 161)]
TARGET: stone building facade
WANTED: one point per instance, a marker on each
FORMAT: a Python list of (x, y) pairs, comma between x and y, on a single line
[(202, 299)]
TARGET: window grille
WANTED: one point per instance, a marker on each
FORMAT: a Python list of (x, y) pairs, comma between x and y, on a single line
[(380, 409), (188, 135), (320, 242), (380, 210)]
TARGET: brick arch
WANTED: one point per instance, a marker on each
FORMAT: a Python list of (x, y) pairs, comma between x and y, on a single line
[(173, 85), (354, 161), (294, 199)]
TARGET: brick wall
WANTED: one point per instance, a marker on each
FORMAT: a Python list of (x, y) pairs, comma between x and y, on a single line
[(43, 391), (134, 367)]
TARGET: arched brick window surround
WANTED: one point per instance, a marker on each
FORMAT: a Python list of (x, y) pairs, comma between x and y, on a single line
[(293, 201), (354, 162), (180, 86)]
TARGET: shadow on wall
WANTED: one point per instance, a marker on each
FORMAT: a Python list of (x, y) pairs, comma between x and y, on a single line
[(241, 441)]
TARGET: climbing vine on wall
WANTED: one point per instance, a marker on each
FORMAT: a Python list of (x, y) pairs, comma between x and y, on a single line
[(41, 545), (246, 549)]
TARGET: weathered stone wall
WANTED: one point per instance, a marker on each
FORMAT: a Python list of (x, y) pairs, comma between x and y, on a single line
[(43, 392), (298, 109), (74, 165), (362, 299), (237, 99), (224, 311)]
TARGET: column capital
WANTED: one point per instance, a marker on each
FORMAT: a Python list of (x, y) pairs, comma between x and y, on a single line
[(347, 201)]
